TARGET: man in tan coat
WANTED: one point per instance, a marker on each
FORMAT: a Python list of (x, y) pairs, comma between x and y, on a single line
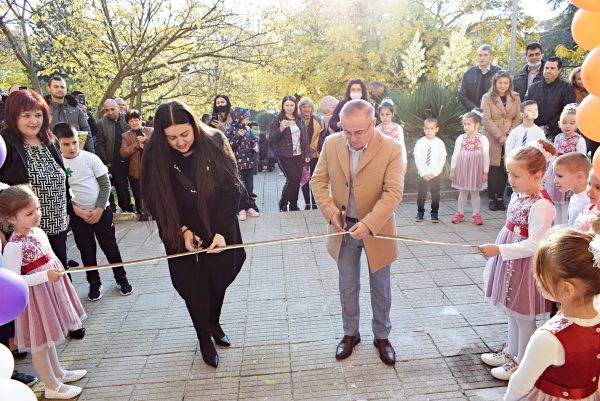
[(357, 183)]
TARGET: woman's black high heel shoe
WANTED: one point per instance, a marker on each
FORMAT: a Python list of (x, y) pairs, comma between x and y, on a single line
[(220, 337), (209, 352)]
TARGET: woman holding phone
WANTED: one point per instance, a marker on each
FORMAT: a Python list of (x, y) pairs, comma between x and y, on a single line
[(221, 114), (288, 138)]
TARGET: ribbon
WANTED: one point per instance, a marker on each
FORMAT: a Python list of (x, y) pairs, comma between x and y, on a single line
[(260, 243)]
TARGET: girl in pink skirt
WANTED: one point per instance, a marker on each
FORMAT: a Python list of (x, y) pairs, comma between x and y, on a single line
[(561, 361), (54, 308), (470, 165), (565, 142), (508, 278)]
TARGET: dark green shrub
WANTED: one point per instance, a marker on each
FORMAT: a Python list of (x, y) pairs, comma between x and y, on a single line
[(429, 100)]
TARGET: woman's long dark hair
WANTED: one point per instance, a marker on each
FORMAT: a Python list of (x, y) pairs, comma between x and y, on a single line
[(363, 86), (209, 148), (282, 111)]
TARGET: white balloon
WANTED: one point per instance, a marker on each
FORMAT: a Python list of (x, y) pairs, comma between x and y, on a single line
[(7, 363), (15, 391)]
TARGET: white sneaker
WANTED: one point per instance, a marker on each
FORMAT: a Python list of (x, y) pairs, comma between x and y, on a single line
[(505, 371), (242, 215), (495, 358), (252, 213), (73, 375), (67, 393)]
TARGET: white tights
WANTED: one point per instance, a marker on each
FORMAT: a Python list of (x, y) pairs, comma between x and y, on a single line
[(519, 332), (47, 366), (475, 201)]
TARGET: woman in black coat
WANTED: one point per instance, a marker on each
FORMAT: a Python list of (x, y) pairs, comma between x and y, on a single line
[(191, 187), (289, 141), (355, 89)]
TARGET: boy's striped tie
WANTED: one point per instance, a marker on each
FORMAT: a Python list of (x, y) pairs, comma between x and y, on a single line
[(428, 160), (524, 140)]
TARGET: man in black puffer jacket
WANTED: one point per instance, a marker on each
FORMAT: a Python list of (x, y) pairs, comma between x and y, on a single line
[(552, 94)]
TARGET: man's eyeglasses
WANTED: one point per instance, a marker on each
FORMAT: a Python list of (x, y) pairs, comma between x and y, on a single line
[(357, 134)]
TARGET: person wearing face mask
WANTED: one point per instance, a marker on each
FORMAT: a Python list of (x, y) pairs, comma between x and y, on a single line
[(221, 114), (552, 94), (355, 89), (533, 71)]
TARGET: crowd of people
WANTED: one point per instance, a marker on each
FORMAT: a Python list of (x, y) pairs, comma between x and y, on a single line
[(194, 177)]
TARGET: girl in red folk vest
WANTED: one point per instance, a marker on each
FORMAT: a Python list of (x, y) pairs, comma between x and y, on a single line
[(562, 360), (53, 307), (508, 278)]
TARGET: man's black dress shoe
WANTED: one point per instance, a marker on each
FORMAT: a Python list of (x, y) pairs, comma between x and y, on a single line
[(345, 347), (386, 351)]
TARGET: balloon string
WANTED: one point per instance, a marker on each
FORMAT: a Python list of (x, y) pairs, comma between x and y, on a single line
[(258, 244)]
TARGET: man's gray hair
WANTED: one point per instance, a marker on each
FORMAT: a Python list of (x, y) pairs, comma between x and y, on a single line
[(354, 106), (109, 101), (485, 47), (119, 98)]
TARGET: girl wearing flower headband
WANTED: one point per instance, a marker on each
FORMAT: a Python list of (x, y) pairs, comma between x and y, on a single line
[(565, 142), (562, 360), (508, 278)]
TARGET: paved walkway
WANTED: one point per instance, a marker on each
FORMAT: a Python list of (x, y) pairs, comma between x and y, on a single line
[(283, 317)]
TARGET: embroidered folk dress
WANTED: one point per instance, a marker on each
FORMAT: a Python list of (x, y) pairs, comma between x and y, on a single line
[(508, 277), (470, 160), (53, 309), (562, 362)]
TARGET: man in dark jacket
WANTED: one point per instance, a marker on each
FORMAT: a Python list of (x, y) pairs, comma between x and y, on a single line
[(477, 80), (65, 109), (108, 143), (552, 94), (533, 70)]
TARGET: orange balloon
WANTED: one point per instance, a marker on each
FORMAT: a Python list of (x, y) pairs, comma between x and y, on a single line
[(596, 164), (588, 117), (586, 29), (590, 72), (589, 5)]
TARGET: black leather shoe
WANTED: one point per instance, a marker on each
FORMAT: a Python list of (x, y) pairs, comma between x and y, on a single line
[(209, 353), (346, 346), (77, 334), (386, 351), (500, 205), (493, 205), (220, 337)]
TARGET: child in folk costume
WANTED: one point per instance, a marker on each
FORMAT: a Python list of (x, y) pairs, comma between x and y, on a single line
[(508, 278), (470, 165), (54, 308), (565, 142), (562, 359), (392, 129)]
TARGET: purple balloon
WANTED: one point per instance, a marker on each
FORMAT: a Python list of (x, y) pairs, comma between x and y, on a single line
[(14, 295), (2, 151)]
